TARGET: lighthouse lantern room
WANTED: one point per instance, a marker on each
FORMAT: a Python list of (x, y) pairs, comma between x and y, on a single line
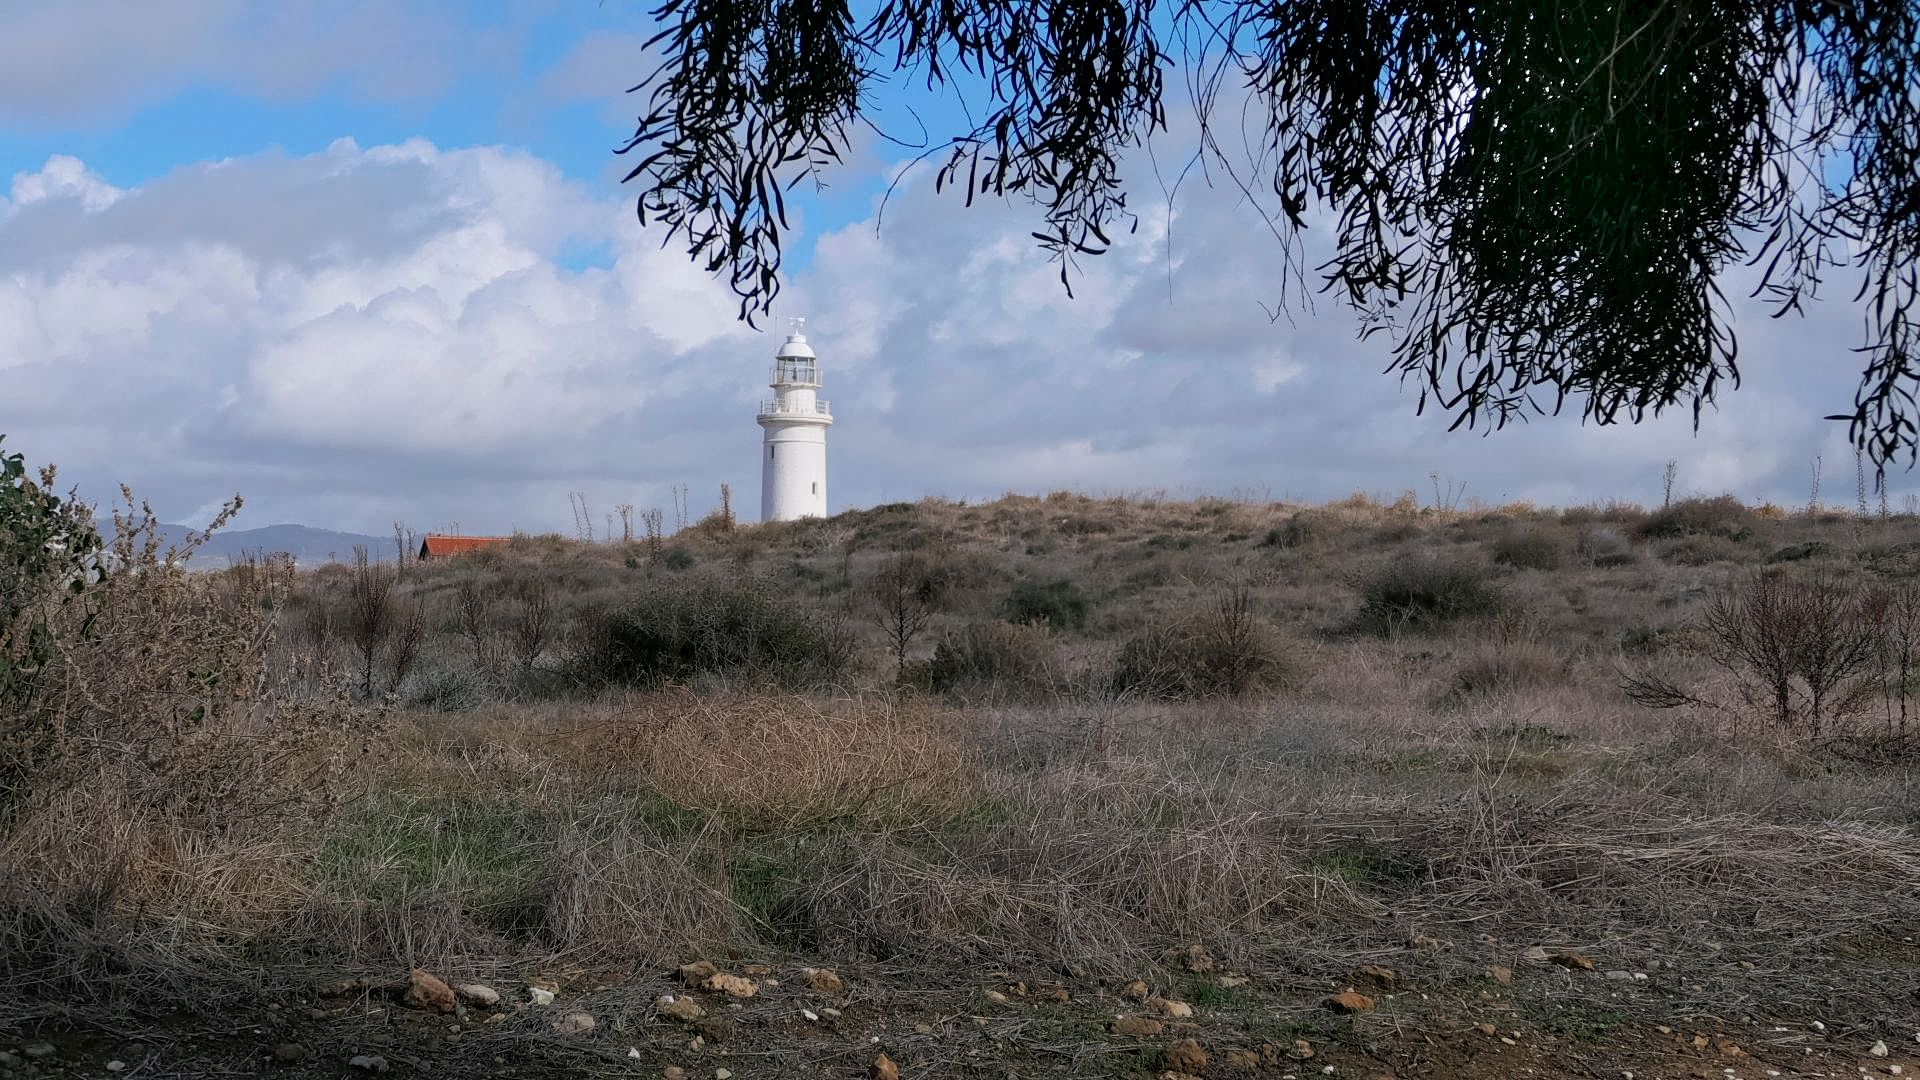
[(793, 462)]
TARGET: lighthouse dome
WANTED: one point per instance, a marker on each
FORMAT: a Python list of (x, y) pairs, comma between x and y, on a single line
[(795, 347)]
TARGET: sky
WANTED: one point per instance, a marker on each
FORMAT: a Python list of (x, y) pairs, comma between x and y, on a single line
[(368, 261)]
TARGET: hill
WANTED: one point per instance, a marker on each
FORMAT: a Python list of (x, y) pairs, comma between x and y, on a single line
[(1057, 786)]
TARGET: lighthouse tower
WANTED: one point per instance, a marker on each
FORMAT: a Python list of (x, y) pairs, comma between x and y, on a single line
[(793, 478)]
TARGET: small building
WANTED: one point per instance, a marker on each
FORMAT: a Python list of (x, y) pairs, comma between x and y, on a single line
[(436, 546)]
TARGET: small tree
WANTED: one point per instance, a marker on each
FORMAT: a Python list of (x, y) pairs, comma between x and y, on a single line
[(370, 612), (532, 628), (902, 599), (1802, 651), (473, 608)]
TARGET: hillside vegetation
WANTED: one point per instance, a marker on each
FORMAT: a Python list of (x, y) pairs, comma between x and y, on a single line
[(1055, 741)]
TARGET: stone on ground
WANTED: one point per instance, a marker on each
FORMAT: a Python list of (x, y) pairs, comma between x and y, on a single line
[(732, 985), (1383, 977), (478, 994), (426, 991), (574, 1023), (1138, 1026), (883, 1068), (1349, 1001), (372, 1063), (685, 1010), (1573, 961), (1185, 1056)]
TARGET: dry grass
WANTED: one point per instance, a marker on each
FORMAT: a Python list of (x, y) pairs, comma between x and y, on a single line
[(781, 761), (1485, 776)]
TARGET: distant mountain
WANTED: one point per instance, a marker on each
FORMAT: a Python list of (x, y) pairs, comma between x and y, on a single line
[(305, 543)]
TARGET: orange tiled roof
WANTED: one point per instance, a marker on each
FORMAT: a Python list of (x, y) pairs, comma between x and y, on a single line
[(436, 546)]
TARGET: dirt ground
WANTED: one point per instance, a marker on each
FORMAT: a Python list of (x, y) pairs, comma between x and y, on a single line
[(1544, 1020)]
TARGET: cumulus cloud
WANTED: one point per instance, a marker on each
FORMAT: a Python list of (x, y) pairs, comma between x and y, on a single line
[(370, 334)]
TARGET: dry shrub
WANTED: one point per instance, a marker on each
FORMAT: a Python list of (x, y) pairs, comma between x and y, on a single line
[(781, 761), (1804, 652), (1722, 515), (1228, 650), (1699, 549), (1057, 891), (1531, 549), (997, 661), (1426, 594), (1507, 666), (712, 628)]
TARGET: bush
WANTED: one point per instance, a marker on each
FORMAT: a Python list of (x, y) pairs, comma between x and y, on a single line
[(1723, 516), (1424, 594), (673, 635), (1804, 651), (1059, 604), (1808, 549), (1699, 550), (1230, 651), (1305, 528), (1530, 549), (1002, 658)]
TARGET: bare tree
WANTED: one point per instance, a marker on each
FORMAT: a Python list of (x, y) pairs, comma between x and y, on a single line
[(1801, 649), (473, 606), (370, 612), (902, 599), (532, 626)]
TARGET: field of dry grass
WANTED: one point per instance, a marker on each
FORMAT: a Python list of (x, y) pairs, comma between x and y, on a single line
[(994, 762)]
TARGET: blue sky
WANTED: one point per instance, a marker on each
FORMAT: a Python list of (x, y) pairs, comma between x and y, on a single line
[(370, 260)]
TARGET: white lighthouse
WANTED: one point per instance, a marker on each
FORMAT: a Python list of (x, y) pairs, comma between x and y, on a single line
[(793, 478)]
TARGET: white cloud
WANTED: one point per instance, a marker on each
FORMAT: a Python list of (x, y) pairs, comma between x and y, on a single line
[(371, 334)]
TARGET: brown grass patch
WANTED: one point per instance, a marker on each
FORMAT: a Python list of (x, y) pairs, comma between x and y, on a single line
[(784, 761)]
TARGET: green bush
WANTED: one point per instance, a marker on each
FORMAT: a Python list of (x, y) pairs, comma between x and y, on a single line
[(728, 628), (1422, 594), (50, 561), (1002, 658), (1058, 604), (1229, 651)]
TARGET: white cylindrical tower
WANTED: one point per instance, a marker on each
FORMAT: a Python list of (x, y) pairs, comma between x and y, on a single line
[(793, 461)]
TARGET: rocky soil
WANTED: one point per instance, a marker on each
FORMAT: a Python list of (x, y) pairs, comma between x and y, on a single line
[(1544, 1013)]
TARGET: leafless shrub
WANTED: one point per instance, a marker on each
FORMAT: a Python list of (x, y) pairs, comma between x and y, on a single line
[(473, 608), (1800, 649), (902, 597), (1229, 650), (531, 629), (996, 661), (370, 613)]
